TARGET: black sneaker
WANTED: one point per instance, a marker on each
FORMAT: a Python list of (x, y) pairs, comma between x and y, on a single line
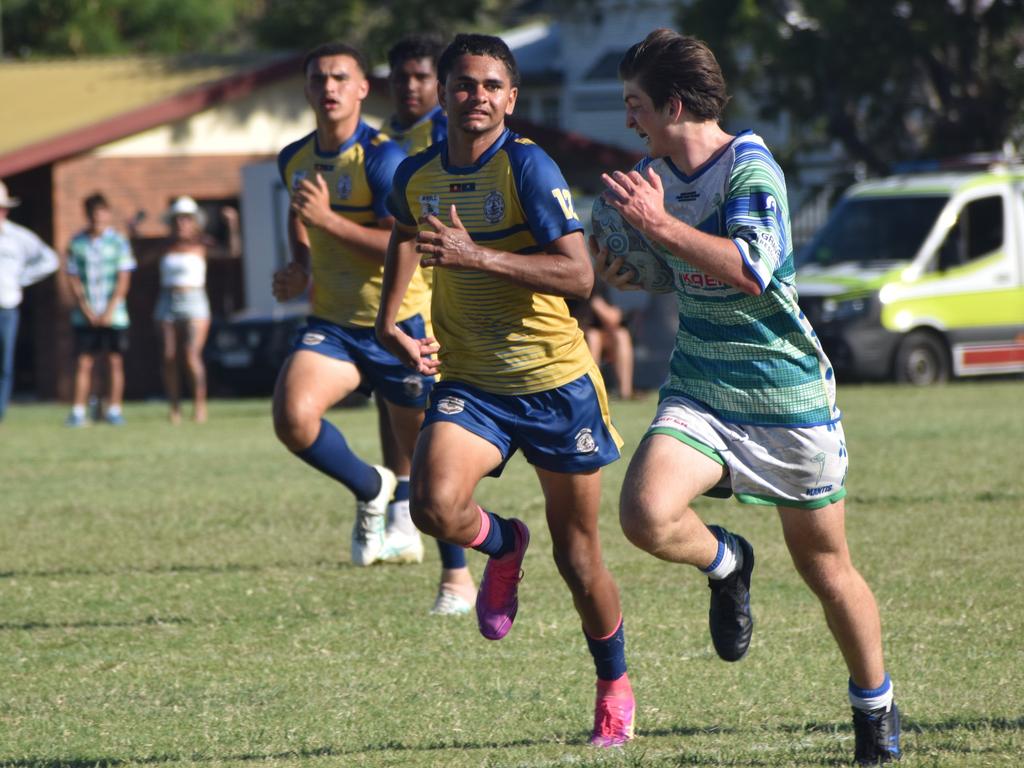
[(730, 619), (877, 735)]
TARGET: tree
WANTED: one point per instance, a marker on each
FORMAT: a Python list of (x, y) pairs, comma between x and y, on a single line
[(890, 80), (77, 27)]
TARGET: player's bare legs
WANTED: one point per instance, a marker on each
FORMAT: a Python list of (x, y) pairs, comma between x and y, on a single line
[(309, 384), (172, 381), (572, 502), (817, 544), (455, 576), (448, 464), (664, 476)]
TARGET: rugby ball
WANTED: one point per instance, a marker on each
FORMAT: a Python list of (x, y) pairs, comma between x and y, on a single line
[(622, 239)]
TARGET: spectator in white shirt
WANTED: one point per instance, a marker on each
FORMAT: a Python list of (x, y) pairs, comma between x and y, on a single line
[(24, 259)]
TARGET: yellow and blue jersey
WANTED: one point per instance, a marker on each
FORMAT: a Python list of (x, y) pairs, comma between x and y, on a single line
[(498, 336), (428, 130), (346, 284)]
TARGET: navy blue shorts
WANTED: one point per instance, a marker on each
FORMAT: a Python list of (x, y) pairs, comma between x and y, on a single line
[(567, 429), (380, 370)]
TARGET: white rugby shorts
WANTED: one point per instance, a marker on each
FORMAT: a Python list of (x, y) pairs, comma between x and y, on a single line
[(788, 466)]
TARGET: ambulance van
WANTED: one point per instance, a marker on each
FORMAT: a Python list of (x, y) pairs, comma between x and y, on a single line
[(919, 277)]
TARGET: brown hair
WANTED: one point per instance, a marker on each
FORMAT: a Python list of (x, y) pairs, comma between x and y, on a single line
[(667, 64)]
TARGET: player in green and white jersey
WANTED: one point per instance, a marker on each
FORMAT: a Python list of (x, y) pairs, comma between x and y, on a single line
[(749, 406)]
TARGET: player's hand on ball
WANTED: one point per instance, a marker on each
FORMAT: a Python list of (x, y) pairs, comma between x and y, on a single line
[(639, 198), (445, 246), (615, 272), (290, 282)]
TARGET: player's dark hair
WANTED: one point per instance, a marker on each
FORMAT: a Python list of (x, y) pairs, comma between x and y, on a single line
[(667, 64), (477, 45), (336, 49), (94, 201), (416, 46)]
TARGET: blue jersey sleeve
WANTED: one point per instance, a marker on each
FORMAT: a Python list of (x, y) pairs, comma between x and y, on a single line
[(398, 205), (543, 193), (285, 156), (381, 164)]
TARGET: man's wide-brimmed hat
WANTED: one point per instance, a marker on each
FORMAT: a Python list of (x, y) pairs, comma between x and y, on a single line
[(6, 201)]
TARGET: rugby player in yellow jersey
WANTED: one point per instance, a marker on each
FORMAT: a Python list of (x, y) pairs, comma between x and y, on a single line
[(339, 176), (492, 214)]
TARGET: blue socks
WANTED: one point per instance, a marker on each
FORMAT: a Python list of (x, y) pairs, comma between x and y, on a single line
[(452, 555), (497, 536), (609, 654), (331, 455)]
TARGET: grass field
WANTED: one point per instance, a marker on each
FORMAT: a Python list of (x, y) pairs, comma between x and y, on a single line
[(182, 596)]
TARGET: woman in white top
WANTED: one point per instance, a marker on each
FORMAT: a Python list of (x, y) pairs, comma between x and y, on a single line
[(183, 309)]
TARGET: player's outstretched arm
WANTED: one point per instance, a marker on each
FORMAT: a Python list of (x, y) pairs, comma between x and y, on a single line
[(641, 201), (399, 266), (563, 268)]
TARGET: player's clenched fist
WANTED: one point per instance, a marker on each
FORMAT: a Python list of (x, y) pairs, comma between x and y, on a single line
[(290, 282)]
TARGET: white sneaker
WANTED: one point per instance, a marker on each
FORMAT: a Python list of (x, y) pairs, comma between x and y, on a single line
[(402, 547), (449, 604), (368, 529)]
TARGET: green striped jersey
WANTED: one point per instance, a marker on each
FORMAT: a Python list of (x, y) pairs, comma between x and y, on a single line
[(750, 359), (97, 262)]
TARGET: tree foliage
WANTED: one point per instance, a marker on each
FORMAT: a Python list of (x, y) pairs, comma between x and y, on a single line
[(79, 27), (891, 80)]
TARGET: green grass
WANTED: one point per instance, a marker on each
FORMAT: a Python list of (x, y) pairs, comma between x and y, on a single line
[(182, 596)]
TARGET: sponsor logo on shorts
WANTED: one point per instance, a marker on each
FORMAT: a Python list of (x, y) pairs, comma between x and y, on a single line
[(449, 406), (670, 421), (585, 442), (819, 490), (413, 385), (312, 339)]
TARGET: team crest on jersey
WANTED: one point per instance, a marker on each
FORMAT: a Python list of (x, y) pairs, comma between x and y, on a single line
[(494, 207), (344, 187), (585, 442), (430, 204), (413, 385), (449, 406), (298, 177), (312, 339)]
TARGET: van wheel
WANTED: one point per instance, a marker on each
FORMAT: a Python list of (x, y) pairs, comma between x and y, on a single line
[(922, 359)]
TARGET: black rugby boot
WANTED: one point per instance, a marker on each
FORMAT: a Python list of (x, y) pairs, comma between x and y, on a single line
[(729, 618)]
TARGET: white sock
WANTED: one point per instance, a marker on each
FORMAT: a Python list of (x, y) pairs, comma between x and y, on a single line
[(876, 698), (78, 411), (728, 560), (114, 410), (399, 518)]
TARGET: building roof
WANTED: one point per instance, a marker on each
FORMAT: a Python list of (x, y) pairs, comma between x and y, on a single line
[(63, 107)]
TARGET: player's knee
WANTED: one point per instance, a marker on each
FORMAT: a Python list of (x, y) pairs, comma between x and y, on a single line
[(429, 507), (296, 424), (638, 519), (827, 577), (580, 568)]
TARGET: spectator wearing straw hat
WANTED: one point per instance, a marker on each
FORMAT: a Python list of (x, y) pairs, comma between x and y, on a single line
[(183, 308), (24, 259)]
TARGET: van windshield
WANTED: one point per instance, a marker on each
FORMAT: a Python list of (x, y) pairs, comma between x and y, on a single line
[(868, 230)]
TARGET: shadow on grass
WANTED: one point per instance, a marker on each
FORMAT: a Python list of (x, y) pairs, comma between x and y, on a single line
[(174, 568), (148, 621), (684, 757)]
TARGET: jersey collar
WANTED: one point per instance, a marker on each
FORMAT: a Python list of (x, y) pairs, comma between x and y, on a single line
[(484, 158), (709, 164)]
